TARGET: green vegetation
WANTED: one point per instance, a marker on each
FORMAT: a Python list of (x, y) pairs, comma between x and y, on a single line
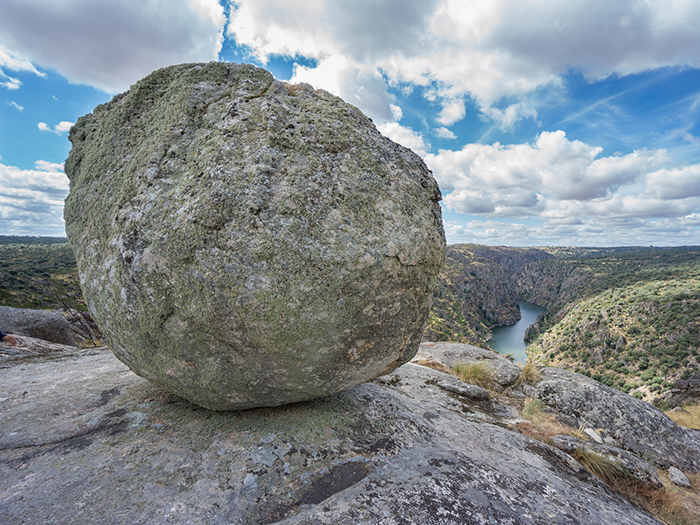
[(628, 317), (36, 275), (638, 338)]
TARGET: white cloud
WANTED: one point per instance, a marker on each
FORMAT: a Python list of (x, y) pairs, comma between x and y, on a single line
[(507, 117), (679, 183), (12, 62), (110, 45), (452, 111), (488, 49), (396, 112), (355, 83), (15, 105), (562, 192), (404, 136), (445, 133), (553, 177), (59, 129), (31, 200), (10, 83)]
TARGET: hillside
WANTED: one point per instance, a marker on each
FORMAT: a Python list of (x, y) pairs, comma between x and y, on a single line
[(628, 316), (476, 291), (640, 338), (34, 275)]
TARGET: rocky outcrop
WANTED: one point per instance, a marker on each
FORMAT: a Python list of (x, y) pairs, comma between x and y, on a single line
[(628, 465), (16, 348), (244, 242), (505, 372), (90, 442), (50, 325), (634, 425)]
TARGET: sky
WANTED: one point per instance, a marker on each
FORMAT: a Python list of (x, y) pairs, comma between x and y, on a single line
[(548, 122)]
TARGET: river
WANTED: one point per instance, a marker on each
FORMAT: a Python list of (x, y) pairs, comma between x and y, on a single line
[(511, 339)]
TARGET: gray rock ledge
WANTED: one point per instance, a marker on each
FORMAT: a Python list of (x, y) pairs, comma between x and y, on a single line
[(84, 440)]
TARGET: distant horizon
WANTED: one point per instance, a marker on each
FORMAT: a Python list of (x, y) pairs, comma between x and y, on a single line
[(558, 123), (65, 239)]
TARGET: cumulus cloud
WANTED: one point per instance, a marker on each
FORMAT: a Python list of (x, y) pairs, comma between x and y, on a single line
[(566, 192), (59, 129), (523, 179), (452, 111), (11, 62), (31, 200), (14, 104), (445, 133), (110, 45), (488, 49), (679, 183), (508, 116)]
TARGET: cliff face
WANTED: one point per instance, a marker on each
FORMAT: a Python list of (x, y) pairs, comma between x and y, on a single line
[(478, 290), (628, 316)]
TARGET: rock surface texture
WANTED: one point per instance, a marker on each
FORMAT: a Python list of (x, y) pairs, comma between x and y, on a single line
[(84, 440), (634, 425), (505, 372), (244, 242), (49, 325)]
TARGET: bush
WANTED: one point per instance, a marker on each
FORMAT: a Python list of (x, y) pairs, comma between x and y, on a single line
[(474, 373), (530, 374)]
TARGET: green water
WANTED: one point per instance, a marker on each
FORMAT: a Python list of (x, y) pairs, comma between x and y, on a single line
[(510, 339)]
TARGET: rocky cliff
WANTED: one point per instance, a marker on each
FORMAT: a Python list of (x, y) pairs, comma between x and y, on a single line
[(477, 290)]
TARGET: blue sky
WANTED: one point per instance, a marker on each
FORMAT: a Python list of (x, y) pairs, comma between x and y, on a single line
[(551, 123)]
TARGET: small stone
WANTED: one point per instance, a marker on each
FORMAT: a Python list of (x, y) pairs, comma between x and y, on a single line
[(677, 477), (474, 392), (594, 435)]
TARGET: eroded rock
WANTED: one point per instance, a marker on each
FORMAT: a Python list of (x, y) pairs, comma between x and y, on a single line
[(633, 424), (505, 372), (50, 325), (88, 441), (244, 242)]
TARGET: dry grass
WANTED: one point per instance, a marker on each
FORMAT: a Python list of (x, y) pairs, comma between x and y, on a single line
[(435, 365), (670, 504), (530, 374), (475, 374), (687, 416), (602, 468), (675, 505), (542, 425)]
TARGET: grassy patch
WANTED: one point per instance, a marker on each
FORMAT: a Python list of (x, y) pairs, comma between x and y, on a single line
[(475, 374), (543, 425), (601, 467), (687, 416), (530, 374)]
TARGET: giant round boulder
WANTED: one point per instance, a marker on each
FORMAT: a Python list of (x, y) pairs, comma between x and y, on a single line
[(244, 242)]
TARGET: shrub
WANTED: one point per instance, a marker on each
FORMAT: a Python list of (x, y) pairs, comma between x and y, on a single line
[(474, 373), (529, 373)]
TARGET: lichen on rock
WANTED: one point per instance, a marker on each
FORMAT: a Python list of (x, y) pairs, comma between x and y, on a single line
[(243, 242)]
